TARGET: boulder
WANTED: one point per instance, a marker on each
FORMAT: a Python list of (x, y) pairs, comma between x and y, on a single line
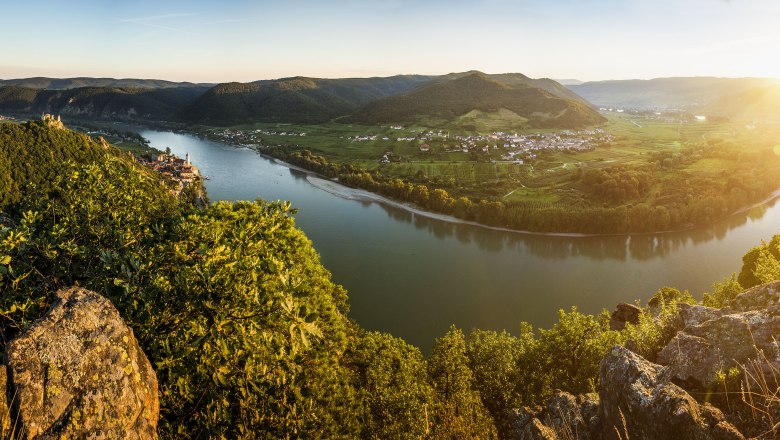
[(692, 315), (564, 416), (763, 297), (624, 313), (525, 426), (78, 372), (713, 341), (638, 401)]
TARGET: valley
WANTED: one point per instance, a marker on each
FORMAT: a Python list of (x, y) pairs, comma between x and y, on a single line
[(629, 167)]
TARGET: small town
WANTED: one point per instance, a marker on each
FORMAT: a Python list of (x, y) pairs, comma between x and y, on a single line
[(181, 171), (514, 147)]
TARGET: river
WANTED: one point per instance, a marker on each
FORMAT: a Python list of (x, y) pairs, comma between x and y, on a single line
[(414, 276)]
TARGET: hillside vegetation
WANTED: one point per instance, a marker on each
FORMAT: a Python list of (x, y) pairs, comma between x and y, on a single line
[(247, 333), (112, 103), (296, 99), (447, 99), (74, 83)]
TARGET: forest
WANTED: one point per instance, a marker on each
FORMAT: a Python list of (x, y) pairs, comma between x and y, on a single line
[(248, 334)]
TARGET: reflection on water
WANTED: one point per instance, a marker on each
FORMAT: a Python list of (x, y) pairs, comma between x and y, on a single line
[(618, 247), (413, 276)]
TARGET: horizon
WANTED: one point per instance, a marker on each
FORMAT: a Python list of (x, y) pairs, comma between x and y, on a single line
[(560, 80), (248, 41)]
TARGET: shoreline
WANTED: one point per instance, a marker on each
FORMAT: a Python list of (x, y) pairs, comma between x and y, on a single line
[(338, 189)]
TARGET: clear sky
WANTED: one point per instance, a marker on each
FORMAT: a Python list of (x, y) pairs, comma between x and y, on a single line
[(242, 40)]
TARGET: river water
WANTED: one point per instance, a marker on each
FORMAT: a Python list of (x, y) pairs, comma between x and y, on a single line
[(414, 276)]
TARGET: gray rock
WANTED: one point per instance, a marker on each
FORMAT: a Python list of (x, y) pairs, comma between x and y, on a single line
[(564, 416), (714, 341), (692, 315), (78, 372), (525, 426), (763, 297), (624, 313), (638, 401)]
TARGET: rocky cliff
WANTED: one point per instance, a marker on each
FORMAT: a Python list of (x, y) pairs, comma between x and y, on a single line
[(686, 394), (78, 372)]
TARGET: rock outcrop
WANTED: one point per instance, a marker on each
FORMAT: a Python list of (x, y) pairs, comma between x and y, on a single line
[(713, 341), (78, 372), (564, 416), (638, 401), (624, 313)]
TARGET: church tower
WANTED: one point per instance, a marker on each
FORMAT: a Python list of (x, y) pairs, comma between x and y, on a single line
[(187, 158)]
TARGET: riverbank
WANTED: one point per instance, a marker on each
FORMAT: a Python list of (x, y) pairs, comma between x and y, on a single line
[(349, 193)]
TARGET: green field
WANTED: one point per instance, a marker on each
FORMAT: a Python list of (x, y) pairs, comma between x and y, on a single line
[(636, 141)]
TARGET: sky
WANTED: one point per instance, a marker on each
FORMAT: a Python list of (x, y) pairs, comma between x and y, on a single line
[(242, 40)]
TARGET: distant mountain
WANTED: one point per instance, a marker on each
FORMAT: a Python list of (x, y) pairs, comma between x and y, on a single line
[(760, 103), (74, 83), (115, 103), (297, 99), (667, 93), (474, 96), (569, 82), (512, 100)]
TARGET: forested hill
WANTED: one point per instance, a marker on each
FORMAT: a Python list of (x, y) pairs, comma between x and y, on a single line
[(36, 154), (400, 98), (74, 83), (539, 104), (296, 99), (113, 103)]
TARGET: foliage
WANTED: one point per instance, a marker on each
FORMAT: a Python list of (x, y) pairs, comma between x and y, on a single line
[(723, 292), (761, 264), (494, 358), (245, 328), (571, 350), (248, 334), (394, 391), (458, 411), (668, 296)]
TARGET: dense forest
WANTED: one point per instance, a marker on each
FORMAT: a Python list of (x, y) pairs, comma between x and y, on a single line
[(249, 336)]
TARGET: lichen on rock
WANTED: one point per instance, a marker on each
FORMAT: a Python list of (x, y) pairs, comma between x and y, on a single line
[(78, 372)]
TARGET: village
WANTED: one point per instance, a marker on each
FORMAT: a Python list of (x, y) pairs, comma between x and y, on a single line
[(507, 146), (513, 147), (181, 171)]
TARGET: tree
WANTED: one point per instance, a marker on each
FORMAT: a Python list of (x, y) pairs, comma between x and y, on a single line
[(393, 388), (458, 411)]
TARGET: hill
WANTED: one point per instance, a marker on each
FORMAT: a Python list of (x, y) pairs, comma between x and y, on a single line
[(757, 104), (475, 95), (297, 99), (34, 154), (115, 103), (666, 93), (75, 83)]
